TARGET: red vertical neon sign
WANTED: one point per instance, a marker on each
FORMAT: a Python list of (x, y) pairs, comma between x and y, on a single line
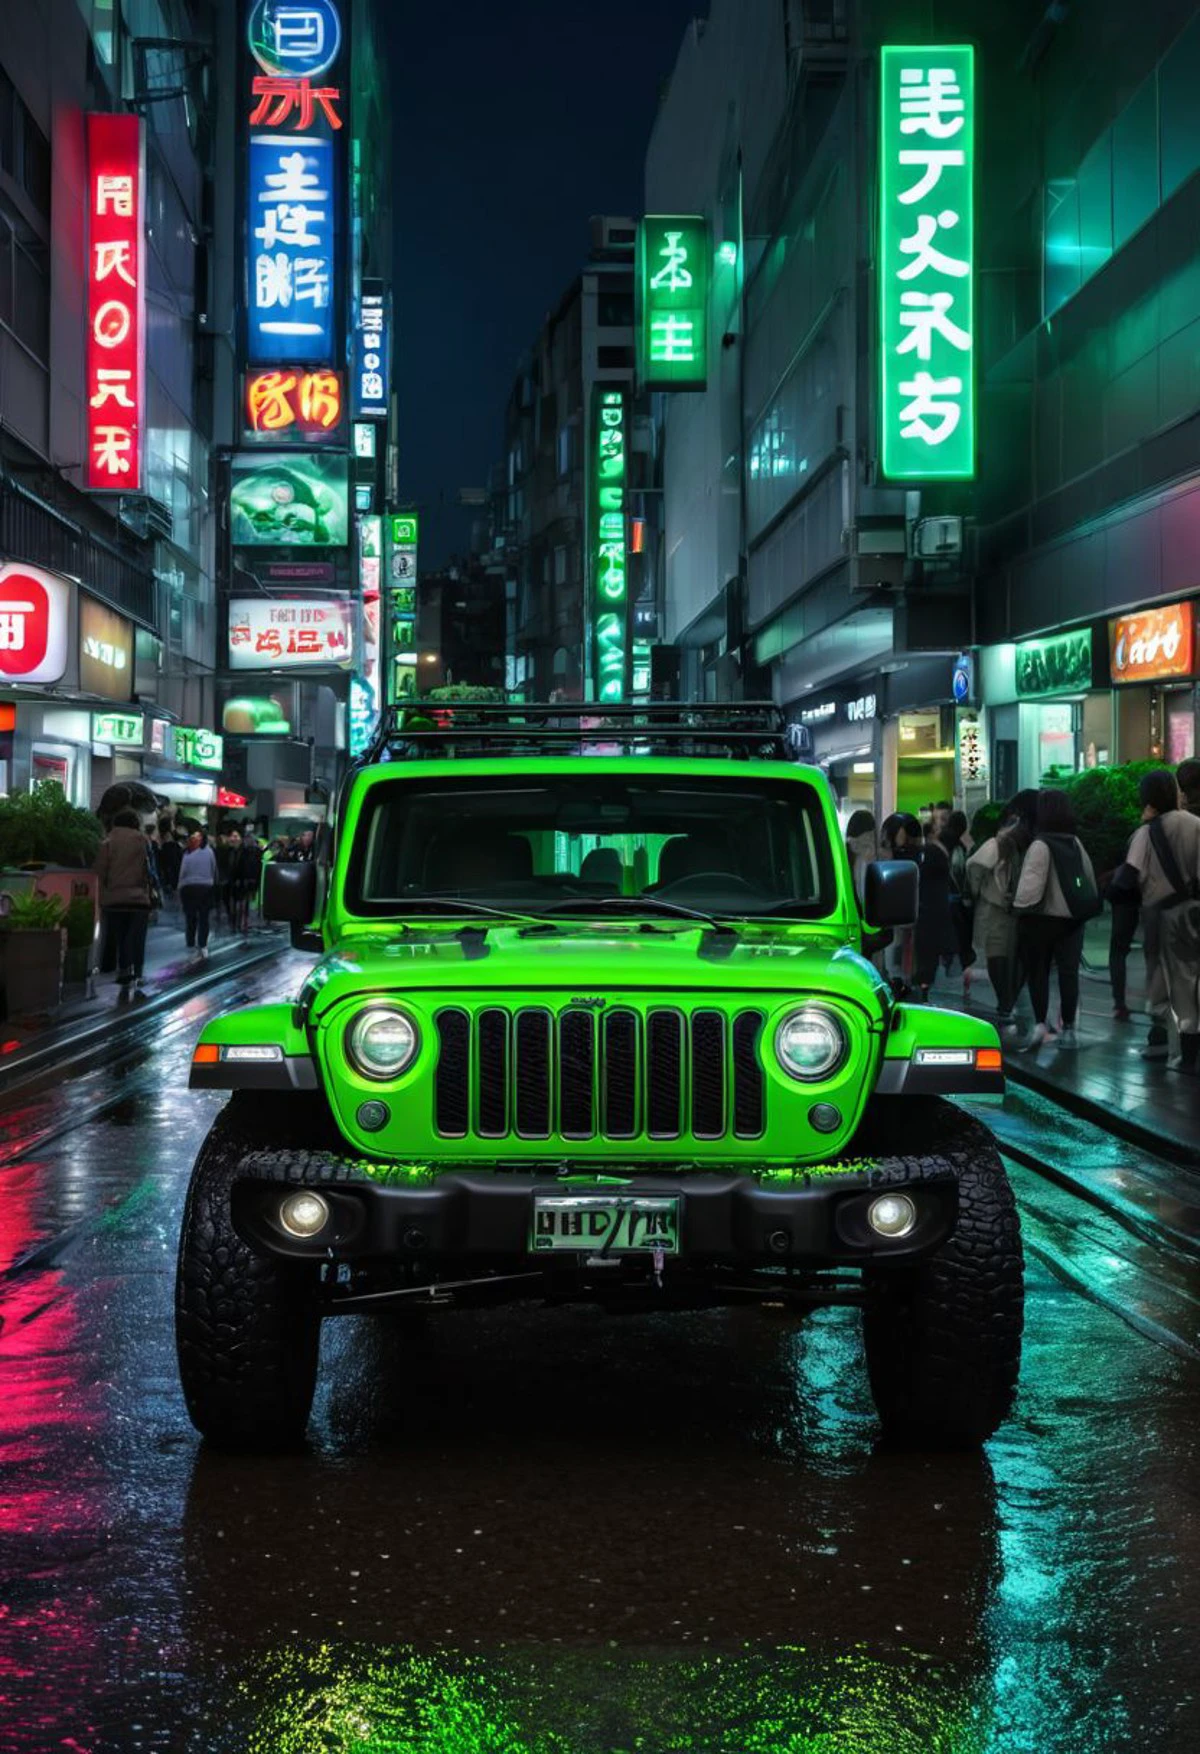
[(115, 303)]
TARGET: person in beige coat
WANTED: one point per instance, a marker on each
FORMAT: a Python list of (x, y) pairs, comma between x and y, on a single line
[(123, 867)]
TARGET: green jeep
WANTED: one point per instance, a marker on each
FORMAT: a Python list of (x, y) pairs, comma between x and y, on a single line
[(592, 1020)]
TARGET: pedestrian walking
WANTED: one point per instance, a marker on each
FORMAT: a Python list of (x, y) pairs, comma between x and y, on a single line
[(1123, 895), (227, 849), (862, 845), (197, 890), (1165, 853), (170, 858), (956, 839), (1188, 776), (246, 876), (933, 934), (123, 867), (1056, 894)]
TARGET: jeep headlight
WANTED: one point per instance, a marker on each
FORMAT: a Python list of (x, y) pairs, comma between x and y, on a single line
[(810, 1043), (381, 1043)]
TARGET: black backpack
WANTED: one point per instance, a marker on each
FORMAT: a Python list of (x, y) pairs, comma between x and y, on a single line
[(1074, 879)]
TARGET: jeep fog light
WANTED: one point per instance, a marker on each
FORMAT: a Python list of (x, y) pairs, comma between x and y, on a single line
[(810, 1043), (381, 1043), (303, 1214), (892, 1215)]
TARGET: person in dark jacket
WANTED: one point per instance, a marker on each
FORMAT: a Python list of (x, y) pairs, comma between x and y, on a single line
[(123, 867), (933, 935), (1187, 777), (246, 875)]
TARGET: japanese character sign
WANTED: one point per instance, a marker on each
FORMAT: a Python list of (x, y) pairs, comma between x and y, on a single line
[(298, 40), (609, 567), (371, 356), (284, 633), (673, 292), (926, 263), (292, 241), (115, 304), (286, 404)]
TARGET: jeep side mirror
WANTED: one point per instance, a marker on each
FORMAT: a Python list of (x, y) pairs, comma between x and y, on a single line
[(290, 892), (891, 894)]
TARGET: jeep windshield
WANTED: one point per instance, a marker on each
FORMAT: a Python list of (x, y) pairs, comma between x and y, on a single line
[(725, 845)]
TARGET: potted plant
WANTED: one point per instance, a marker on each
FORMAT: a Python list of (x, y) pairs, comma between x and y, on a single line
[(80, 921), (34, 951), (42, 827)]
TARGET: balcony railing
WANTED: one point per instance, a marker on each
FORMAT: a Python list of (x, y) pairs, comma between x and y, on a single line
[(32, 531)]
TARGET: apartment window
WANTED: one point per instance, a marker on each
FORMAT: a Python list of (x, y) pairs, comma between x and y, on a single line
[(560, 566), (615, 358), (24, 287), (24, 149), (615, 309), (564, 449)]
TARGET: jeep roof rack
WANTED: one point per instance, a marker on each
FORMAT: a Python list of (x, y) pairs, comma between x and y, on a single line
[(726, 730)]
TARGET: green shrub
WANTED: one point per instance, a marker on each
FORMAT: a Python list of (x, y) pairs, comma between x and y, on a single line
[(1105, 802), (42, 826), (32, 912), (80, 922)]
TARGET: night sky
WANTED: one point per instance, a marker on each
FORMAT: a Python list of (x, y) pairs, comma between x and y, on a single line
[(512, 124)]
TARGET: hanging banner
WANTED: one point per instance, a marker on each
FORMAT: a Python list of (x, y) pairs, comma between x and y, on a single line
[(926, 263), (672, 282), (609, 560), (292, 230), (1154, 645), (371, 355), (403, 532), (116, 345)]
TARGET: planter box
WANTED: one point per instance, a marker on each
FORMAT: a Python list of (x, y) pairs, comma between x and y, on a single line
[(33, 968)]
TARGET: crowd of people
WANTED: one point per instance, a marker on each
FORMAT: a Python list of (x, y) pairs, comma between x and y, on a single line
[(1019, 898), (208, 876)]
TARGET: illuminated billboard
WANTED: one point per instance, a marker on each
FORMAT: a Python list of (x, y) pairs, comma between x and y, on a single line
[(609, 557), (290, 501), (371, 355), (290, 633), (292, 270), (288, 406), (35, 613), (116, 342), (672, 282), (927, 262)]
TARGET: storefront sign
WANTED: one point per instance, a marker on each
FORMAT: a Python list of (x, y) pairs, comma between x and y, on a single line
[(370, 553), (296, 48), (1153, 645), (672, 281), (814, 715), (194, 746), (962, 679), (230, 800), (609, 569), (35, 611), (860, 710), (124, 730), (371, 357), (364, 440), (1059, 664), (363, 715), (403, 536), (115, 362), (289, 633), (972, 754), (158, 736), (290, 501), (926, 262), (105, 651), (291, 407)]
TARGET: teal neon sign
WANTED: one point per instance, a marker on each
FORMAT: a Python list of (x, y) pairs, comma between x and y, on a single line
[(927, 263), (673, 281), (610, 558)]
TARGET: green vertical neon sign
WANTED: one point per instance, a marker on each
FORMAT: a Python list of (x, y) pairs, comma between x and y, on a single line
[(673, 281), (610, 561), (927, 263)]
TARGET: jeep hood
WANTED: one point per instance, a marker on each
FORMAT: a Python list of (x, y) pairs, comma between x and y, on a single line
[(594, 959)]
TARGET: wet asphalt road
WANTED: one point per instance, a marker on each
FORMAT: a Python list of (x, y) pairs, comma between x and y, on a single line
[(518, 1533)]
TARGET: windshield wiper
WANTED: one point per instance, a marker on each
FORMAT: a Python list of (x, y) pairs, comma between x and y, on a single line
[(459, 905), (636, 904)]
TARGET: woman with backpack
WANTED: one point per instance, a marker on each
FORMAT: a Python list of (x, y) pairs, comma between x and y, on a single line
[(1056, 894), (1165, 854)]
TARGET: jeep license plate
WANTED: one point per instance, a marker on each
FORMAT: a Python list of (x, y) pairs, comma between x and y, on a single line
[(606, 1224)]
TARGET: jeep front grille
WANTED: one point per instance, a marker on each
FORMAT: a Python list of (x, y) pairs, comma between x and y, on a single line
[(613, 1074)]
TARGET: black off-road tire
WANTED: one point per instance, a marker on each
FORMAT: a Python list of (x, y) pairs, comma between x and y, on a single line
[(943, 1339), (247, 1326)]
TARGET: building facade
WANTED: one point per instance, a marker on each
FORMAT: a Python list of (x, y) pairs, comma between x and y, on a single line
[(544, 500), (805, 556), (107, 534)]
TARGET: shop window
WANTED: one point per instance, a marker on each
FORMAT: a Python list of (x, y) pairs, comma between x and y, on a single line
[(1179, 80)]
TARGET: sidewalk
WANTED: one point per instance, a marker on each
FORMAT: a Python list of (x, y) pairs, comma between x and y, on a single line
[(1105, 1080), (89, 1015)]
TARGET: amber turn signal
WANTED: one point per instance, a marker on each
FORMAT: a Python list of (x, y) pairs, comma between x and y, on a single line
[(989, 1060), (207, 1054)]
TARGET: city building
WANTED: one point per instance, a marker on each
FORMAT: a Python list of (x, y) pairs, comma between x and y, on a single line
[(303, 230), (1019, 598), (107, 538), (545, 498)]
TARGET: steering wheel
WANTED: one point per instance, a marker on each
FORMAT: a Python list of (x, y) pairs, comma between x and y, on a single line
[(701, 883)]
